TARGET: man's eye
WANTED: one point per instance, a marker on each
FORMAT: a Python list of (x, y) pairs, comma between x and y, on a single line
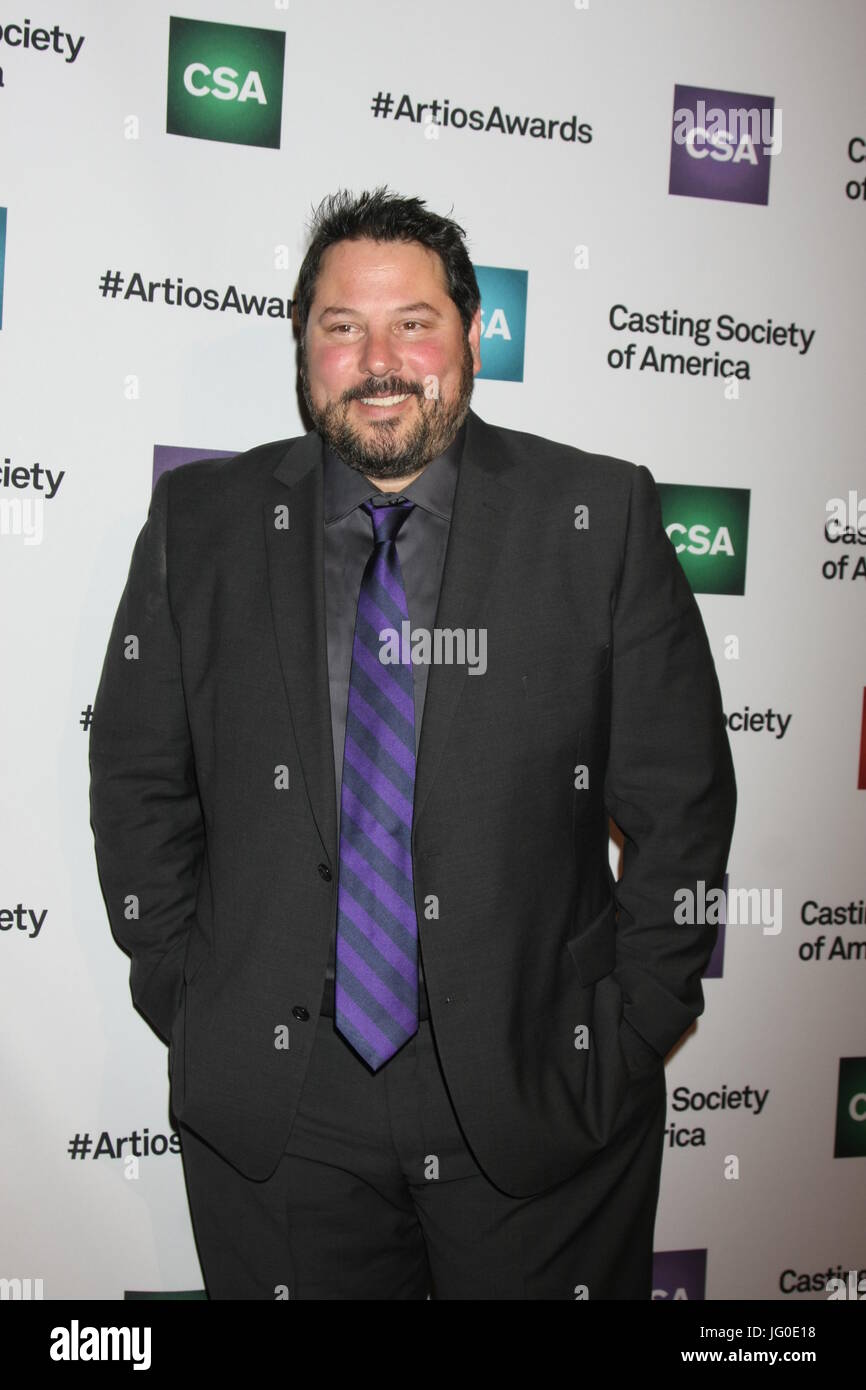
[(337, 326), (413, 323)]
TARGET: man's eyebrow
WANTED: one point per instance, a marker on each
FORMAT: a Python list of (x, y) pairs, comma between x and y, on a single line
[(419, 307)]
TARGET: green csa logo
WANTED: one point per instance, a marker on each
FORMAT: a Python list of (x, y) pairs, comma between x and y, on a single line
[(851, 1109), (225, 82), (708, 528)]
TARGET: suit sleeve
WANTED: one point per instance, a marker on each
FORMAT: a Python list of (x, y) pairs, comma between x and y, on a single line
[(670, 783), (144, 804)]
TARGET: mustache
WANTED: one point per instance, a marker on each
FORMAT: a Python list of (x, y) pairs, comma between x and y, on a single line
[(394, 386)]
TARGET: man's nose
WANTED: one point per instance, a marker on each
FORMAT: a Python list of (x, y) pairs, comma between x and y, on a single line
[(379, 353)]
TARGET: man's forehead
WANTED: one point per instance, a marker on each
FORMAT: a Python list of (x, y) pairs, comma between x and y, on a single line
[(366, 261)]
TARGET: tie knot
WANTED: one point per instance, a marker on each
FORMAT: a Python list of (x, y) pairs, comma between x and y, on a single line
[(387, 518)]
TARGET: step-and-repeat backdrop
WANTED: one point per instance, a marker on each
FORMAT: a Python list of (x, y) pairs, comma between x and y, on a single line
[(665, 204)]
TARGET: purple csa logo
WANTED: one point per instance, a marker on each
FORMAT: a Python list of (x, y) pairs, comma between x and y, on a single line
[(167, 456), (721, 145), (680, 1275)]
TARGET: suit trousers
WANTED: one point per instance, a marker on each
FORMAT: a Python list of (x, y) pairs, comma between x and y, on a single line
[(378, 1196)]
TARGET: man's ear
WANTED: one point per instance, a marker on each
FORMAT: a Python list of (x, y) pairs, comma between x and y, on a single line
[(474, 339)]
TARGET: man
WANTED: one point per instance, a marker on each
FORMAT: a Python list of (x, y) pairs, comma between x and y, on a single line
[(370, 698)]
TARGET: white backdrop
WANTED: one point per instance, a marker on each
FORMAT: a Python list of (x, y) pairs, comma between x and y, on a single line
[(92, 384)]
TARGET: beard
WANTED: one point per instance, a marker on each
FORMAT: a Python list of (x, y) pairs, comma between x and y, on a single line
[(382, 454)]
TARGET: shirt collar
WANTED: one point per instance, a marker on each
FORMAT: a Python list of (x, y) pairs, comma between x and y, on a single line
[(345, 488)]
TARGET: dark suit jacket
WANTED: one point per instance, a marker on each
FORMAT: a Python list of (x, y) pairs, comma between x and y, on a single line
[(213, 801)]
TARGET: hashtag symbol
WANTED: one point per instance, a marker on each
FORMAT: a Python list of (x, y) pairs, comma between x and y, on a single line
[(86, 717), (80, 1146), (382, 103), (111, 283)]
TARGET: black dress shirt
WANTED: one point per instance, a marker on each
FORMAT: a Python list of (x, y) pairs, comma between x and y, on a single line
[(421, 546)]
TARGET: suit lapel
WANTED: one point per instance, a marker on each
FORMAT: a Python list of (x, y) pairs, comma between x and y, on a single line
[(296, 579), (482, 502)]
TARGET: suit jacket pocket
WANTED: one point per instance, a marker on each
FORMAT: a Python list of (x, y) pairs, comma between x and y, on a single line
[(641, 1059), (593, 950)]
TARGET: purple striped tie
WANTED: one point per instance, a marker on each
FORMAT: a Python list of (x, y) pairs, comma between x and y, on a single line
[(377, 930)]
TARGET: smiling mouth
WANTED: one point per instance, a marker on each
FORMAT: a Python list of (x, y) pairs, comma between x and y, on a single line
[(384, 400)]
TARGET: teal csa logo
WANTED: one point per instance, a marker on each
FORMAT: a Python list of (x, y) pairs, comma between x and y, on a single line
[(503, 322), (2, 258), (709, 529), (225, 82), (851, 1109)]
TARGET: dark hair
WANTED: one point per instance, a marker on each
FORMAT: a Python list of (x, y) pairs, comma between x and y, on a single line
[(384, 216)]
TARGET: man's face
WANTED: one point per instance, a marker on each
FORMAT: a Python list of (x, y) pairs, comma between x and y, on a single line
[(386, 368)]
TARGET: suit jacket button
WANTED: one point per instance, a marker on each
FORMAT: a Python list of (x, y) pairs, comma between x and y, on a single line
[(325, 873), (300, 1012)]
